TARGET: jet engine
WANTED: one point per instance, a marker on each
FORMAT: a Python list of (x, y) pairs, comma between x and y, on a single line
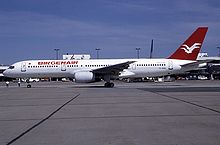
[(84, 77)]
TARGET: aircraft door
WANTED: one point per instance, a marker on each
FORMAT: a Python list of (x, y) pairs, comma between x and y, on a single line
[(134, 66), (23, 67), (170, 65), (63, 67)]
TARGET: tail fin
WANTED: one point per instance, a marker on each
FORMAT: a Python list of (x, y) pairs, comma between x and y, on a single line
[(190, 48)]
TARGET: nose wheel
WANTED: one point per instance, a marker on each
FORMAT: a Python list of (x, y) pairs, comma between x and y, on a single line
[(28, 85), (109, 85)]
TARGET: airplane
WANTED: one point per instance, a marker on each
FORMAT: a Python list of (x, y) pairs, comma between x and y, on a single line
[(93, 70)]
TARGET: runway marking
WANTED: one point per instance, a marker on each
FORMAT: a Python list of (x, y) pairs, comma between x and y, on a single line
[(34, 126), (91, 104), (194, 104), (132, 116), (20, 99), (181, 89), (117, 117)]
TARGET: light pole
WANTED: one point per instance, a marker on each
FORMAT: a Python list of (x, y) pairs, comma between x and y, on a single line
[(218, 51), (138, 52), (151, 48), (97, 52), (57, 53)]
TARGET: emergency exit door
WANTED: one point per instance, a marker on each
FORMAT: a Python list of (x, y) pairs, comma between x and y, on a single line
[(170, 65)]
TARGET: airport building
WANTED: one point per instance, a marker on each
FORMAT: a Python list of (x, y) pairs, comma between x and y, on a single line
[(76, 56)]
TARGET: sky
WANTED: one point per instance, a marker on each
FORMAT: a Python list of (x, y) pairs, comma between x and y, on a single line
[(32, 29)]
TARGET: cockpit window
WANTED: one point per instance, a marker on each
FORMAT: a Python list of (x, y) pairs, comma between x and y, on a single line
[(11, 67)]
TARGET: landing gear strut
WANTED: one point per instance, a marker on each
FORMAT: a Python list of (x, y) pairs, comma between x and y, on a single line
[(28, 83), (109, 85)]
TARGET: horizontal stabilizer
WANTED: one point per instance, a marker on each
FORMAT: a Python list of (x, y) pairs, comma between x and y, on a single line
[(194, 65)]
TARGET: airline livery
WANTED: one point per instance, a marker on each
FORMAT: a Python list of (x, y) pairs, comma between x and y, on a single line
[(87, 71)]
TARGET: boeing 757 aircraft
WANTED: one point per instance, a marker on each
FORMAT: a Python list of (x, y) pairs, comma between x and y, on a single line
[(87, 71)]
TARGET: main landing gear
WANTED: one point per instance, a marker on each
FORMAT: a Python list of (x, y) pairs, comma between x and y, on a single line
[(109, 85)]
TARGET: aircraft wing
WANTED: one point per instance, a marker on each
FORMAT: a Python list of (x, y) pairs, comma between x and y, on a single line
[(195, 65), (113, 69)]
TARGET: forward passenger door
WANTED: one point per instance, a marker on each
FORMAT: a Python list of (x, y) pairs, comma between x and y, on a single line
[(63, 67)]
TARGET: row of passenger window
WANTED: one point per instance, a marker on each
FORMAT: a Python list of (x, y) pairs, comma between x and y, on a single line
[(68, 66), (103, 65), (159, 64), (88, 65), (42, 66)]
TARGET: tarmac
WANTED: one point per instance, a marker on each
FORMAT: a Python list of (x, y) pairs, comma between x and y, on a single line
[(65, 113)]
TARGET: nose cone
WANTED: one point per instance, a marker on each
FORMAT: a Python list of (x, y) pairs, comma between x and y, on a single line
[(6, 73), (10, 71)]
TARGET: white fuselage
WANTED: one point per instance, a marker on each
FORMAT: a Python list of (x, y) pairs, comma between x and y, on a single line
[(67, 68)]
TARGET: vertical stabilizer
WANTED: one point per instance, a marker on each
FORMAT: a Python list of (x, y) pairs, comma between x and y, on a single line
[(190, 48)]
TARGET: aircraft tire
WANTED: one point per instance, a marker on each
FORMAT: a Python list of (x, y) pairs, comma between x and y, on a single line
[(28, 86), (109, 85)]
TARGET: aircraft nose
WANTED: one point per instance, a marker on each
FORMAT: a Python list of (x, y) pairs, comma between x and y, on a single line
[(6, 73)]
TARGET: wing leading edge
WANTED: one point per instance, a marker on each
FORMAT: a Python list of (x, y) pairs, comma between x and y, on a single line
[(113, 69)]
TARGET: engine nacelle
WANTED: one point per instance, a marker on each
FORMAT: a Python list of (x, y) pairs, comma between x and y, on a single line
[(84, 77)]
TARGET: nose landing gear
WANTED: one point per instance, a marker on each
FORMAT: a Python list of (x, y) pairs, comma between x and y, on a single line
[(28, 85)]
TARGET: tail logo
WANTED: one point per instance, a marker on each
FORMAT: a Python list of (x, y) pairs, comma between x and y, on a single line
[(188, 49)]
